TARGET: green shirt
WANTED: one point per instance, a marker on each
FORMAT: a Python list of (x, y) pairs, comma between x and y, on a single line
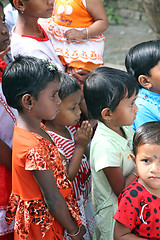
[(108, 149)]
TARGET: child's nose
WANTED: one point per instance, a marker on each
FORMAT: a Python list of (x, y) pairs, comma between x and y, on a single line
[(50, 1), (78, 111), (58, 100), (4, 30), (155, 167), (136, 108)]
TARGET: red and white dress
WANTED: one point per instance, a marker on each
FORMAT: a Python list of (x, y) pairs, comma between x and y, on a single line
[(82, 182), (86, 53)]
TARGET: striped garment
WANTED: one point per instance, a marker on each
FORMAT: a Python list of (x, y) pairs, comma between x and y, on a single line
[(82, 182)]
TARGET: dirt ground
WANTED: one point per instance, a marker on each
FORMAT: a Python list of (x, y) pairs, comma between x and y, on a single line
[(119, 38)]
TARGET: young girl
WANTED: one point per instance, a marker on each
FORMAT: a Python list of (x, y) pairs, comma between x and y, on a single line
[(76, 28), (42, 200), (143, 62), (110, 96), (30, 38), (71, 143), (138, 214), (7, 118)]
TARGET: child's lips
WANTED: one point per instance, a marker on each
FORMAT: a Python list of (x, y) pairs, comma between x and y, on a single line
[(6, 41), (154, 177), (50, 10)]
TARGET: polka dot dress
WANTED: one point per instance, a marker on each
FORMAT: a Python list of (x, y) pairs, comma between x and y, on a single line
[(139, 210)]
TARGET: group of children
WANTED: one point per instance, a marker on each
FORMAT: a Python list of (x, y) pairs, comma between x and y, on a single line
[(69, 182)]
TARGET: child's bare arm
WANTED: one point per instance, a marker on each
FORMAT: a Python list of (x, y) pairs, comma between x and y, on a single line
[(56, 203), (82, 138), (99, 16), (100, 24), (117, 180), (121, 232), (5, 155)]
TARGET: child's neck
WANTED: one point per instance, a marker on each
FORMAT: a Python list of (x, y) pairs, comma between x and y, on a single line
[(28, 123), (32, 125), (57, 128), (117, 129), (28, 26), (155, 192)]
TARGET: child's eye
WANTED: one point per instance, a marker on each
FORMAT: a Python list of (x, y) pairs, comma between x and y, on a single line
[(53, 95), (146, 160), (131, 105), (73, 108)]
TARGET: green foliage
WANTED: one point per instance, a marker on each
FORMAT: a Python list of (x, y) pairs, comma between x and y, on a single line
[(112, 16)]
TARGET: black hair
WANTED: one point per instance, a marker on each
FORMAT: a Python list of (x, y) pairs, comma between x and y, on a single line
[(147, 133), (68, 85), (142, 57), (106, 87), (26, 75), (11, 1), (1, 4)]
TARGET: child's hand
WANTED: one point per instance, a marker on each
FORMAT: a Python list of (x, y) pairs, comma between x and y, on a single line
[(80, 235), (74, 34), (84, 134), (80, 74)]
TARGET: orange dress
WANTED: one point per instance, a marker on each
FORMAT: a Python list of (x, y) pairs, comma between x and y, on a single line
[(32, 217), (85, 53)]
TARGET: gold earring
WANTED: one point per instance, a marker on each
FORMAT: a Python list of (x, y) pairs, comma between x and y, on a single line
[(108, 119)]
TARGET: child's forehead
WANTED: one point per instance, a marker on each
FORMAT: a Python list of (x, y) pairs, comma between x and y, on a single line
[(74, 96)]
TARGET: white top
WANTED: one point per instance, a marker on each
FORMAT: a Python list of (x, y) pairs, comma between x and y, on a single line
[(36, 47), (8, 116), (11, 15)]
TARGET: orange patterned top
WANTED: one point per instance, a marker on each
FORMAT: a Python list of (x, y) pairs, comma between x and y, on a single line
[(26, 204)]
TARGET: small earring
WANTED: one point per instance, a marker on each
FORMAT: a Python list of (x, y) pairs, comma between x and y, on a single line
[(29, 110), (108, 119)]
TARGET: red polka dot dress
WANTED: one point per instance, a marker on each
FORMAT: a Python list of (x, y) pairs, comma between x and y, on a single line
[(139, 210)]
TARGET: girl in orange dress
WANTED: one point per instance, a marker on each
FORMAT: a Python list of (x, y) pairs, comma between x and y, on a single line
[(76, 28), (42, 201)]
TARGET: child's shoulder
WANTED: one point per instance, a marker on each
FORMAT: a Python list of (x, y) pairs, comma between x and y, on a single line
[(104, 135), (134, 192), (147, 98)]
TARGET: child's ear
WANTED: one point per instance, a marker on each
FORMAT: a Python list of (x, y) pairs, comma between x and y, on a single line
[(27, 102), (106, 114), (133, 158), (19, 5), (144, 81)]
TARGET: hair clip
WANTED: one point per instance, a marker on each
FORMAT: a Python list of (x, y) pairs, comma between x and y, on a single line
[(51, 66)]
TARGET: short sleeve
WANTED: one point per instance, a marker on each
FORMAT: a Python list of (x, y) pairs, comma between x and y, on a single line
[(106, 156), (128, 212), (147, 112), (38, 158)]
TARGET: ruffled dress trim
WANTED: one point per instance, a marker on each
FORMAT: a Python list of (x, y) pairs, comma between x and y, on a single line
[(87, 50), (27, 212)]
